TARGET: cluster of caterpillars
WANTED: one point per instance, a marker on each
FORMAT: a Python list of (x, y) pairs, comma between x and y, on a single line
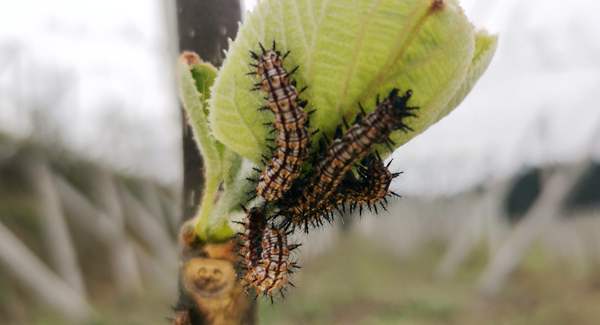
[(345, 174)]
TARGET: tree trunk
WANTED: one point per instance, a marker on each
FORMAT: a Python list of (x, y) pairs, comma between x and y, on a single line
[(210, 292)]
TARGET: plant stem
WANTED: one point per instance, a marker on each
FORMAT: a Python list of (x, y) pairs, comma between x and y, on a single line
[(211, 188)]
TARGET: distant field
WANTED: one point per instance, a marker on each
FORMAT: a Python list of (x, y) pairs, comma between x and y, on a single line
[(359, 283)]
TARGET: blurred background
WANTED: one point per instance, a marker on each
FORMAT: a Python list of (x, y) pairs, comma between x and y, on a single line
[(499, 224)]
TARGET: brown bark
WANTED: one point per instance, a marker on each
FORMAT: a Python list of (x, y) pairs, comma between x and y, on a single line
[(210, 292)]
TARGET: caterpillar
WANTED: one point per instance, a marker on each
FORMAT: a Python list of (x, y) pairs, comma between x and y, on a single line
[(254, 225), (265, 253), (354, 194), (320, 196), (290, 123), (373, 188)]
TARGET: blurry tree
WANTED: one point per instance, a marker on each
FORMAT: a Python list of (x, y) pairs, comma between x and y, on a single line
[(522, 195), (586, 193), (557, 184)]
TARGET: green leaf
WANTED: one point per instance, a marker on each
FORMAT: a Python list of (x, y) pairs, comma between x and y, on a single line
[(204, 75), (485, 48), (222, 187), (196, 77), (348, 52)]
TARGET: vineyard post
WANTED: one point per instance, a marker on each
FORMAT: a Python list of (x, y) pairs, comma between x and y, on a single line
[(204, 27)]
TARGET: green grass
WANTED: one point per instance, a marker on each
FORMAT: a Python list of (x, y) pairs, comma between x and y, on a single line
[(359, 283)]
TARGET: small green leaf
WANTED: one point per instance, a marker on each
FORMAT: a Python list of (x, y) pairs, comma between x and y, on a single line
[(204, 74), (196, 77), (348, 52), (222, 186)]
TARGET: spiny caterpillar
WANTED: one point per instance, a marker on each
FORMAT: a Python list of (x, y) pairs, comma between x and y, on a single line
[(373, 187), (290, 123), (265, 254), (254, 225), (354, 194), (321, 193)]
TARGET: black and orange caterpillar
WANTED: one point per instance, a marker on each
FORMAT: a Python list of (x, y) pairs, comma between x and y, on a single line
[(315, 200), (265, 255), (291, 124), (373, 188)]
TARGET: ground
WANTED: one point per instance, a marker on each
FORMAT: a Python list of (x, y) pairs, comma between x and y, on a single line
[(358, 283)]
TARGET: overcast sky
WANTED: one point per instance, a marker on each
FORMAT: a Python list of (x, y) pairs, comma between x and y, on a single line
[(536, 105)]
